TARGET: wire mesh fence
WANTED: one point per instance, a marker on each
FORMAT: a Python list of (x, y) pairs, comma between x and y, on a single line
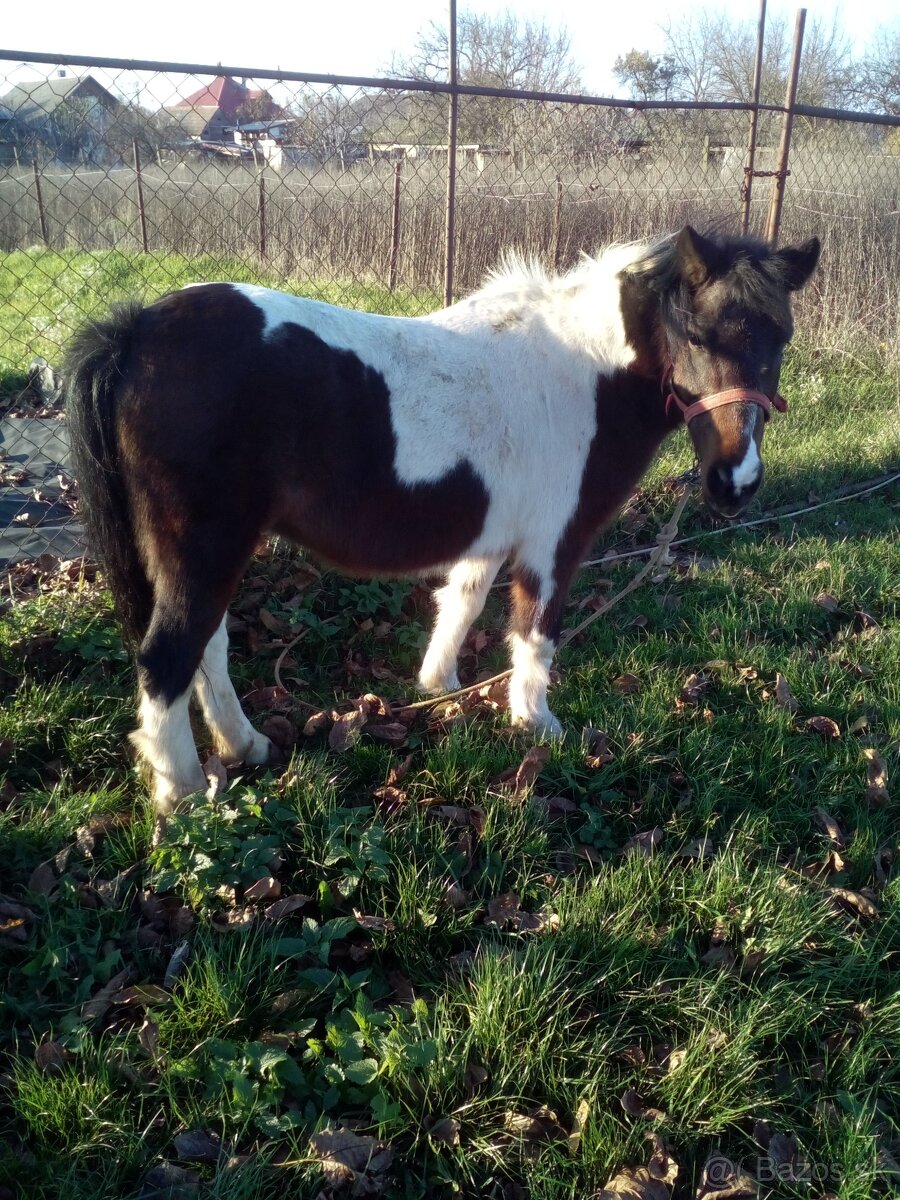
[(116, 181)]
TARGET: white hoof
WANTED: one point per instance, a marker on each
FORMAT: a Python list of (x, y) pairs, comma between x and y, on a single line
[(543, 725), (262, 750), (432, 685)]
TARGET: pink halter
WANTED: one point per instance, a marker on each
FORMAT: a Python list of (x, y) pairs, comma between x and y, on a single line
[(719, 399)]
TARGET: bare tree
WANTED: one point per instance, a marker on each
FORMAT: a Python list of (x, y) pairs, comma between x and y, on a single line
[(715, 55), (501, 51), (878, 78)]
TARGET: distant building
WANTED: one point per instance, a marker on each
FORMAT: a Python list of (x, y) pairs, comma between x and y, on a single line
[(209, 113), (69, 115)]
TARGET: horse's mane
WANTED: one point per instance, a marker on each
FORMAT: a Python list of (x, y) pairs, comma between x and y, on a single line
[(753, 271)]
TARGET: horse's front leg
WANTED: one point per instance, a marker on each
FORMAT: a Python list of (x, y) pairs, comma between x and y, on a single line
[(459, 602), (538, 596)]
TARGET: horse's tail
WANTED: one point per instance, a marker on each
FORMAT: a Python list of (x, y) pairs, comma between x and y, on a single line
[(94, 366)]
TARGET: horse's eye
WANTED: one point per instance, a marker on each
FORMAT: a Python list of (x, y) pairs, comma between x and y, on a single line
[(694, 341)]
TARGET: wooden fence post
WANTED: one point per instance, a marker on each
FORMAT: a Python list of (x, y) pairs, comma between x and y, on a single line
[(140, 196), (781, 167), (40, 203), (395, 227)]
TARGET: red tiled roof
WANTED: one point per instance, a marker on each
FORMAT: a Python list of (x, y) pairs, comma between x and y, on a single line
[(223, 93)]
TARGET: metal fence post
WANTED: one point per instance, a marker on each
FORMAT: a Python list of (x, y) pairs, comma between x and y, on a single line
[(747, 186), (781, 167), (395, 227), (40, 203), (140, 196), (262, 212), (557, 224), (452, 128)]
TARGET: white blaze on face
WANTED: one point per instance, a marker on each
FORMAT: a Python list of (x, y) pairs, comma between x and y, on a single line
[(747, 472)]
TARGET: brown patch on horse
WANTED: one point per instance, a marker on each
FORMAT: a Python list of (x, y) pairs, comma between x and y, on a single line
[(631, 425)]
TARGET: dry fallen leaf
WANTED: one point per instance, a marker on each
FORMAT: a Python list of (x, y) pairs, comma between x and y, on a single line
[(694, 687), (142, 995), (97, 1007), (540, 1125), (349, 1159), (392, 732), (634, 1183), (857, 902), (374, 924), (644, 843), (876, 778), (596, 745), (285, 906), (700, 848), (827, 601), (517, 780), (445, 1131), (317, 723), (829, 825), (579, 1120), (347, 730), (824, 726), (267, 888), (50, 1057), (502, 908), (198, 1145), (627, 684), (783, 694), (723, 1180)]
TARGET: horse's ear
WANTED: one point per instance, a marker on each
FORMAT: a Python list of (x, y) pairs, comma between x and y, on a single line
[(696, 257), (797, 263)]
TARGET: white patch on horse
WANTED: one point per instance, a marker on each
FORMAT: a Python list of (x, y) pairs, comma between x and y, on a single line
[(531, 659), (458, 604), (236, 739), (164, 739), (749, 469), (507, 402)]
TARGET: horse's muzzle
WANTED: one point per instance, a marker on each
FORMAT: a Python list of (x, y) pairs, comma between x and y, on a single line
[(728, 488)]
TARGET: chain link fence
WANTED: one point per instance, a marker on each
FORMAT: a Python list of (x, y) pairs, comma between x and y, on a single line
[(117, 181)]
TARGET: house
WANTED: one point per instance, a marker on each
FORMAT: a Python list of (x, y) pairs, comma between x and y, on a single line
[(68, 114), (209, 113), (8, 138)]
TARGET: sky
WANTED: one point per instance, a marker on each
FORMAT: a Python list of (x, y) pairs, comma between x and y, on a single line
[(360, 37)]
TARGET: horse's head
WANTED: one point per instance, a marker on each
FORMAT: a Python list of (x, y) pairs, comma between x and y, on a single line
[(727, 319)]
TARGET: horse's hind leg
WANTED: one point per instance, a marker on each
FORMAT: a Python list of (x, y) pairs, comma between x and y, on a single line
[(190, 597), (459, 602), (235, 738)]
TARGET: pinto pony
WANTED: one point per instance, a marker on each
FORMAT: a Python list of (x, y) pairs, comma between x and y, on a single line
[(512, 425)]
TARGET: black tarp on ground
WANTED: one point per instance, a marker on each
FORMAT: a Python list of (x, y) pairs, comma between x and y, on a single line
[(30, 527)]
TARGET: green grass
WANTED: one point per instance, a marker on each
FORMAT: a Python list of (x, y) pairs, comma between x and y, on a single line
[(45, 295), (724, 991)]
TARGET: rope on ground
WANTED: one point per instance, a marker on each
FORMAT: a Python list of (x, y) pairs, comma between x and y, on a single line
[(659, 556), (775, 515)]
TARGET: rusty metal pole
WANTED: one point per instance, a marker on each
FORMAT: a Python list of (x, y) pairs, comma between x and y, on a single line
[(395, 227), (557, 224), (747, 186), (781, 167), (142, 215), (40, 203), (452, 128), (262, 214)]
